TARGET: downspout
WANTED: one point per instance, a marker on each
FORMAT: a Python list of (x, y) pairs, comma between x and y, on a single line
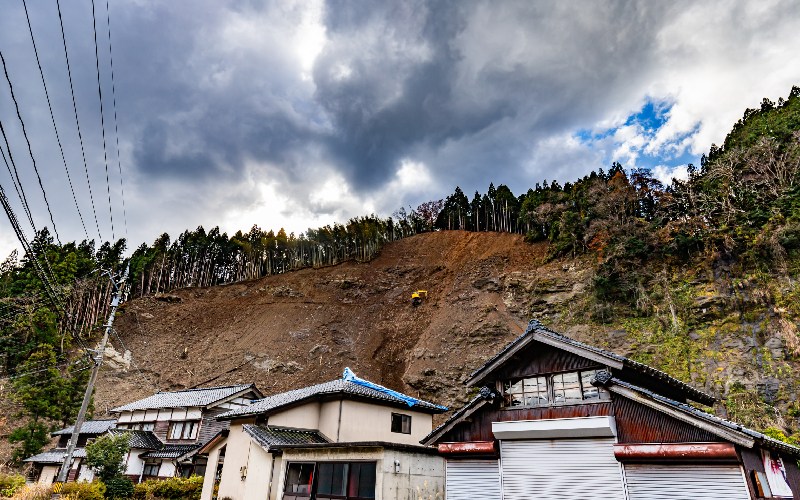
[(339, 426)]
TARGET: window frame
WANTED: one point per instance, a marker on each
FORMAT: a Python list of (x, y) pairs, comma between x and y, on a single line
[(145, 466), (404, 419), (194, 427), (602, 395)]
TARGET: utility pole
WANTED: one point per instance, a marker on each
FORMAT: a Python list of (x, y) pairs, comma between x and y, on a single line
[(119, 295)]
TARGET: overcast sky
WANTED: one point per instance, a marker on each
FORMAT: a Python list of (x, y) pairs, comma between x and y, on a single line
[(300, 114)]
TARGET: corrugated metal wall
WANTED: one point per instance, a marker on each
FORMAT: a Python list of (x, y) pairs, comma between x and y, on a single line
[(677, 482), (472, 479), (561, 468)]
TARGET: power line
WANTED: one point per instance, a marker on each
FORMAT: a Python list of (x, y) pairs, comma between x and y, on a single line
[(15, 177), (116, 130), (53, 119), (30, 149), (77, 121), (102, 119)]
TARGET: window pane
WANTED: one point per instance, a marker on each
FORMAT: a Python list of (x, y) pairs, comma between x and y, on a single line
[(299, 478), (324, 479), (566, 388), (177, 429), (366, 481), (401, 423), (536, 391), (149, 426)]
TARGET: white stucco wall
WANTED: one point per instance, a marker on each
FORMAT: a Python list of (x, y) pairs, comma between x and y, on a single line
[(167, 469), (259, 474), (134, 464), (302, 417), (237, 453), (211, 470), (371, 422)]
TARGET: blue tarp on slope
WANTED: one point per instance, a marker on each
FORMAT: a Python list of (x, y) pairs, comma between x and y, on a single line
[(349, 376)]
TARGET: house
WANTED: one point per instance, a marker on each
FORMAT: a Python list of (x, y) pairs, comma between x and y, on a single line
[(45, 466), (346, 438), (558, 418), (167, 428)]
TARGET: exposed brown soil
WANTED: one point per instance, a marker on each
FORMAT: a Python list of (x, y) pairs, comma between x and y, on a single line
[(291, 330)]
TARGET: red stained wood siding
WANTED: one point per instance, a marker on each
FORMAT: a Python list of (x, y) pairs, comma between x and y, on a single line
[(479, 427), (637, 423)]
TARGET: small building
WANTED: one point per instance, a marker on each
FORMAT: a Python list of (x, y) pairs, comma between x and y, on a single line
[(167, 428), (45, 466), (558, 418), (346, 439)]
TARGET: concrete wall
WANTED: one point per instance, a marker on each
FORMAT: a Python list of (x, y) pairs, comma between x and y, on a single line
[(421, 476), (372, 422), (332, 455)]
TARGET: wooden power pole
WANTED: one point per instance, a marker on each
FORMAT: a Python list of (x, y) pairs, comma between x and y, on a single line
[(119, 296)]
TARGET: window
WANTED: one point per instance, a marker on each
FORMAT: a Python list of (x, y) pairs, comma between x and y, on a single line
[(141, 426), (401, 423), (299, 479), (555, 389), (330, 480), (183, 430), (151, 468)]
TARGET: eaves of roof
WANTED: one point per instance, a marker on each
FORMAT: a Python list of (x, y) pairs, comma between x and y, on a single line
[(485, 396), (200, 397), (333, 388), (725, 429), (537, 332), (360, 444)]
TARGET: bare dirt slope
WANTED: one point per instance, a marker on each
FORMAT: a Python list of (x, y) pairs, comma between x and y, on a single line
[(305, 327)]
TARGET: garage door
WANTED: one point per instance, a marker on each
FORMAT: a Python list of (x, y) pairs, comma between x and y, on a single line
[(471, 479), (582, 469), (697, 482)]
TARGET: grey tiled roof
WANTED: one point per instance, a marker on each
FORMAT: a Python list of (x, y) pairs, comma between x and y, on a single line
[(189, 397), (268, 437), (765, 440), (170, 451), (144, 440), (90, 427), (535, 328), (334, 387), (55, 456)]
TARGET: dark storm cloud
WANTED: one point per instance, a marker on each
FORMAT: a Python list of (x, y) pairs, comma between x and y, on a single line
[(226, 108), (388, 103)]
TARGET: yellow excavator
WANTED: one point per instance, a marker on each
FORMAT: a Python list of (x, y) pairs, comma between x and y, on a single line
[(416, 297)]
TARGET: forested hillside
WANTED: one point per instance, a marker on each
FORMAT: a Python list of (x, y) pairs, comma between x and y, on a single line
[(698, 278)]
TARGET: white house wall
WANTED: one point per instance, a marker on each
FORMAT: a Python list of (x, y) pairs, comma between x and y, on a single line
[(356, 414), (167, 469), (259, 474), (302, 417), (237, 454), (133, 464)]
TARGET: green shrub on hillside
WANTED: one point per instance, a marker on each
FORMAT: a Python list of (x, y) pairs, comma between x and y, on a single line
[(10, 484)]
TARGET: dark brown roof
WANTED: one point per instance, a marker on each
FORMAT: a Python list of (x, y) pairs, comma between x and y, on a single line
[(538, 332)]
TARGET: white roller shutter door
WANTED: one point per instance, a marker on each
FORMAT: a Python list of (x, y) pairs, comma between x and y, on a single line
[(472, 479), (678, 482), (566, 469)]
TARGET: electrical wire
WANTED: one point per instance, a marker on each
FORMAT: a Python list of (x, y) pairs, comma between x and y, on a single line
[(15, 176), (102, 118), (77, 121), (116, 129), (30, 148), (53, 119)]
